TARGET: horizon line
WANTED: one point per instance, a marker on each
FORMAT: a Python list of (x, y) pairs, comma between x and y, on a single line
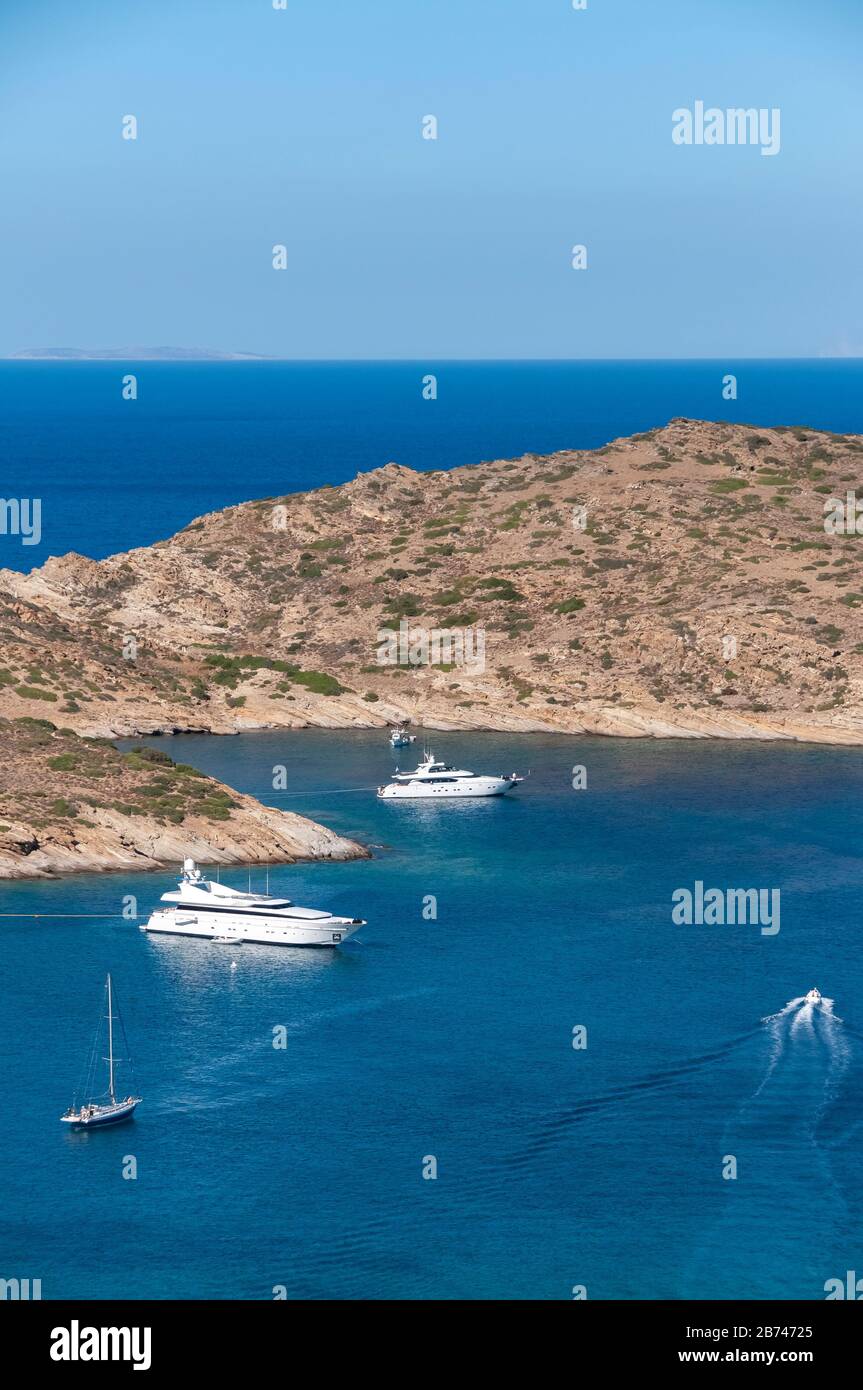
[(252, 359)]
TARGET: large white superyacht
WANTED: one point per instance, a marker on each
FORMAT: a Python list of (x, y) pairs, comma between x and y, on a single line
[(205, 908), (434, 780)]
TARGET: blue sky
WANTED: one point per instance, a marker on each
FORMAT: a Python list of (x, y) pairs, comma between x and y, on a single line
[(303, 127)]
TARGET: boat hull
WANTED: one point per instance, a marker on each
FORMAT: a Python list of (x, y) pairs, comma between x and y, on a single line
[(225, 927), (104, 1115), (473, 787)]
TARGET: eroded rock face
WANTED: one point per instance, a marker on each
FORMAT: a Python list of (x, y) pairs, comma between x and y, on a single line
[(675, 584), (73, 805)]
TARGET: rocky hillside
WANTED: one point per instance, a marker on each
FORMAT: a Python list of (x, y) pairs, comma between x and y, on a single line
[(678, 582), (68, 803)]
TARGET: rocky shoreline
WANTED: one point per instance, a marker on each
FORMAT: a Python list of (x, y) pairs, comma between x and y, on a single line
[(609, 721), (71, 805)]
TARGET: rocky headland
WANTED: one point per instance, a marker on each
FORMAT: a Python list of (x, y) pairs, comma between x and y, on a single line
[(679, 583)]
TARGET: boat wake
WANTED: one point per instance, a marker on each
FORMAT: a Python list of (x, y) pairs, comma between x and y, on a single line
[(765, 1120), (554, 1128), (808, 1055), (783, 1139), (809, 1019)]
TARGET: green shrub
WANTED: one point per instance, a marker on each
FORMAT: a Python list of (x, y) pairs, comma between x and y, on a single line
[(64, 762), (150, 755), (723, 485), (319, 683)]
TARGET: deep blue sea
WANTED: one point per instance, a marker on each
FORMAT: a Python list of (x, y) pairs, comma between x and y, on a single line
[(451, 1038), (447, 1038), (114, 474)]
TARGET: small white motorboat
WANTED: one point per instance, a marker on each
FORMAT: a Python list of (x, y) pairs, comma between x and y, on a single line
[(400, 738), (813, 997)]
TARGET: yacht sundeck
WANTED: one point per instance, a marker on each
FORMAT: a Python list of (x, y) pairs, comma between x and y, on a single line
[(201, 907), (434, 779), (813, 997)]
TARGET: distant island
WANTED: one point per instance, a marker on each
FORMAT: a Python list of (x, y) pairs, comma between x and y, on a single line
[(132, 354)]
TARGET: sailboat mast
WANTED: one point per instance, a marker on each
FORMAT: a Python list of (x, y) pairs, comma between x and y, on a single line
[(110, 1044)]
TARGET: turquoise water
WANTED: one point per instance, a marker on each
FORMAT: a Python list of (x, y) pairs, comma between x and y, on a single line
[(114, 474), (452, 1038)]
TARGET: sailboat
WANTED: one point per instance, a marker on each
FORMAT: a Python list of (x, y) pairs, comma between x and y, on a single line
[(104, 1108)]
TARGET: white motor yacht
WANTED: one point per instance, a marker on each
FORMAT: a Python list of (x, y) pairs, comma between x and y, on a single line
[(202, 907), (435, 780), (813, 997)]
